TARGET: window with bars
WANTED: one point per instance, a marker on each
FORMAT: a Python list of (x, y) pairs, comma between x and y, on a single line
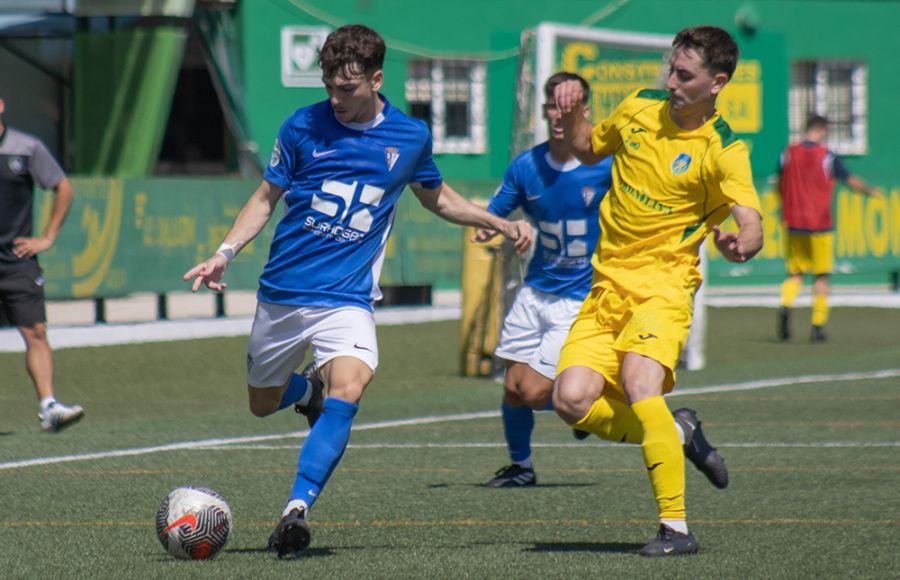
[(836, 90), (450, 95)]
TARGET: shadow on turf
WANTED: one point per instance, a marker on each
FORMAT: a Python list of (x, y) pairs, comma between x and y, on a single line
[(610, 547), (307, 553), (541, 485)]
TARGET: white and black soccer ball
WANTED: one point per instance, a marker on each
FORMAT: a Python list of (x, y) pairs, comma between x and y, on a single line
[(194, 523)]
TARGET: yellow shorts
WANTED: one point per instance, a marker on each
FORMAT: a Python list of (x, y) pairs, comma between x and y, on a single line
[(609, 325), (810, 253)]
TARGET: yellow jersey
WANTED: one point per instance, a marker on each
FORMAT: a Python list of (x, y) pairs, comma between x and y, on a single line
[(669, 188)]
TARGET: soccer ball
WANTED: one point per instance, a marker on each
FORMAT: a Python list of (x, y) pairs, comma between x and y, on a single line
[(193, 523)]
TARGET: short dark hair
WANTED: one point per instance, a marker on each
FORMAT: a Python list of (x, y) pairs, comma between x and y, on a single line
[(350, 51), (715, 46), (561, 77), (816, 122)]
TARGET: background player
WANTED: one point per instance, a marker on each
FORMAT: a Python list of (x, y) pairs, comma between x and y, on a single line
[(340, 166), (24, 161), (678, 171), (562, 198), (807, 174)]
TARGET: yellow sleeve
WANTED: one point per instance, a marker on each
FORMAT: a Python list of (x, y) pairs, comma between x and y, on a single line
[(735, 178), (605, 137)]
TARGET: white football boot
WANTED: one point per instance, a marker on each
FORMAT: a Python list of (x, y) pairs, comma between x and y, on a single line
[(57, 417)]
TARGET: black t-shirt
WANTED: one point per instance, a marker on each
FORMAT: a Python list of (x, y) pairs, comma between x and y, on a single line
[(24, 162)]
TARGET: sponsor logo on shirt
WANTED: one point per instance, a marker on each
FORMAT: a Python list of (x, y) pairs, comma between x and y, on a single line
[(681, 164), (316, 153), (348, 207)]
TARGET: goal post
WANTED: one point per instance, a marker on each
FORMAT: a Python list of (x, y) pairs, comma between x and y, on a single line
[(614, 63)]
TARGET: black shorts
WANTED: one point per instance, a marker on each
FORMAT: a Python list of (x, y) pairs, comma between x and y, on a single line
[(22, 296)]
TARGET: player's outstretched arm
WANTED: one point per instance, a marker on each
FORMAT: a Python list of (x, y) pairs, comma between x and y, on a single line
[(455, 208), (252, 218), (742, 245), (860, 184), (569, 97)]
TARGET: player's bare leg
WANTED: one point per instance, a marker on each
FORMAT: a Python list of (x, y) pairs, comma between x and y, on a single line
[(54, 415)]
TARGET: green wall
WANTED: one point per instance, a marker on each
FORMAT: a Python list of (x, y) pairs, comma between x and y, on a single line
[(812, 29), (183, 219), (140, 235), (124, 236), (490, 29)]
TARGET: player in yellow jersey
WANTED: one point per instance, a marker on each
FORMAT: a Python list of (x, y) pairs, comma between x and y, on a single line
[(678, 172)]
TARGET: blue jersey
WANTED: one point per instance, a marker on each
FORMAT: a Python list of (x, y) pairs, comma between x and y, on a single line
[(341, 186), (563, 201)]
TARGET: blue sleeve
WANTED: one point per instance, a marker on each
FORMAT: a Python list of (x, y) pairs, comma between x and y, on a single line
[(506, 198), (838, 169), (426, 173), (282, 162)]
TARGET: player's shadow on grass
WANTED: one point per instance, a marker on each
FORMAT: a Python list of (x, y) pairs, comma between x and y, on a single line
[(609, 547), (307, 553), (7, 433), (543, 485)]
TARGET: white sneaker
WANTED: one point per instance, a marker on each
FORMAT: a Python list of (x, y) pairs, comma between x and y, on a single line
[(57, 417)]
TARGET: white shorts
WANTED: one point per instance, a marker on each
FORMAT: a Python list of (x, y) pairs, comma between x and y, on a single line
[(536, 328), (281, 333)]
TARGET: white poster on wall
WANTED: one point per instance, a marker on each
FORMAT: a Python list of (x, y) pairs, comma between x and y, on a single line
[(300, 54)]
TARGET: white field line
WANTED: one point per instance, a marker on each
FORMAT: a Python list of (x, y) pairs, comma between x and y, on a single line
[(219, 442), (63, 336)]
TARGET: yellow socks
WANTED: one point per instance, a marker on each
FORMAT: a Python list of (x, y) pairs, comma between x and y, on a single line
[(820, 310), (613, 420), (663, 456), (790, 289)]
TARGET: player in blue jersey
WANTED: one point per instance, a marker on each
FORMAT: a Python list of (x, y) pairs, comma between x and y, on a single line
[(340, 166), (562, 198)]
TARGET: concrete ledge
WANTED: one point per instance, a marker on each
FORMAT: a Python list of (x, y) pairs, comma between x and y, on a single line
[(166, 330)]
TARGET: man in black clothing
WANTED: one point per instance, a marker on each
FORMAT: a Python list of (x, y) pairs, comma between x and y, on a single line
[(24, 162)]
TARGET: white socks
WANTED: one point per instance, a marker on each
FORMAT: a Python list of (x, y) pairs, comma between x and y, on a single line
[(296, 504), (679, 526), (46, 403)]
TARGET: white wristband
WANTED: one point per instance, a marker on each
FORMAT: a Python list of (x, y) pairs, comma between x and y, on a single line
[(228, 251)]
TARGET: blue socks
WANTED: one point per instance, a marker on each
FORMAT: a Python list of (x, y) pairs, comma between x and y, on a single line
[(518, 423), (323, 449), (294, 391)]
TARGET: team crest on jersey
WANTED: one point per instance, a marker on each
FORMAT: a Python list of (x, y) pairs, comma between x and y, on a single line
[(275, 159), (587, 194), (681, 164), (16, 164), (391, 155)]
